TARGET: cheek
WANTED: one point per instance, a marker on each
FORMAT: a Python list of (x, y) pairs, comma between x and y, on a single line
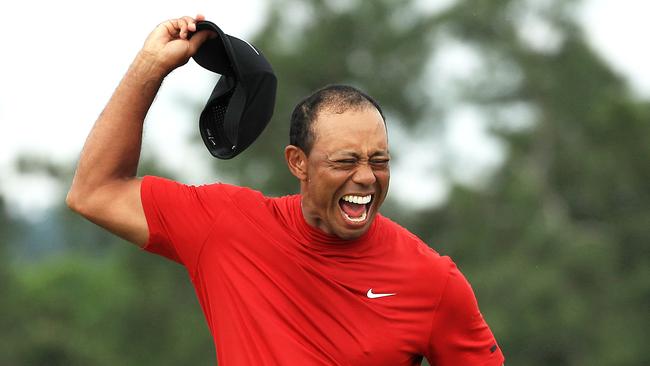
[(330, 177), (383, 176), (326, 185), (321, 187)]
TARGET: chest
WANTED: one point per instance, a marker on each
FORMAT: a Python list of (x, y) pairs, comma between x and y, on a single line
[(339, 309)]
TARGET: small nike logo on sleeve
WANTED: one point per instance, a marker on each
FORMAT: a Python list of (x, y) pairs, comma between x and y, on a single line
[(372, 295)]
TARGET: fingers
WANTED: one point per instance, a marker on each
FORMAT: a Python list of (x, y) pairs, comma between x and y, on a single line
[(182, 27), (172, 43), (191, 24), (185, 25)]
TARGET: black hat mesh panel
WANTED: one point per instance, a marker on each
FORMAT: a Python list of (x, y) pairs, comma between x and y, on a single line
[(213, 119)]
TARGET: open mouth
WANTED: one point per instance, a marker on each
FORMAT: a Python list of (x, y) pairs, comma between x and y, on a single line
[(355, 208)]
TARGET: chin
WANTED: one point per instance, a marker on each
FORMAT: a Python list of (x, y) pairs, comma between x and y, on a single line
[(348, 233)]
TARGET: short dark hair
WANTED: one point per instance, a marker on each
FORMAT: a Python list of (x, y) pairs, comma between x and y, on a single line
[(335, 98)]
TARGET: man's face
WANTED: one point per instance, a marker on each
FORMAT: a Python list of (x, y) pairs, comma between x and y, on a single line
[(347, 171)]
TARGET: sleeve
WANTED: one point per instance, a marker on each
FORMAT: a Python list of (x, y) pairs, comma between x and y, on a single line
[(180, 217), (459, 335)]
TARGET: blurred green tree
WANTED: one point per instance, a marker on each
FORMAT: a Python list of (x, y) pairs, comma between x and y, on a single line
[(556, 242), (90, 298), (7, 285)]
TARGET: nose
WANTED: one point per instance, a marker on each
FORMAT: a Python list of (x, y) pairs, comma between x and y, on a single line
[(364, 175)]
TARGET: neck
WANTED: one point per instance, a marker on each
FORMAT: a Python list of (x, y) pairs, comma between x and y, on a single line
[(311, 218)]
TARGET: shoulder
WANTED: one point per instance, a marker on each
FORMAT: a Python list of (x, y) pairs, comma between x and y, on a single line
[(214, 199), (422, 259), (168, 186), (404, 241)]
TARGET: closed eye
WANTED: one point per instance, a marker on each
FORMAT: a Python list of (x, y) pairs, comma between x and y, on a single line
[(379, 162)]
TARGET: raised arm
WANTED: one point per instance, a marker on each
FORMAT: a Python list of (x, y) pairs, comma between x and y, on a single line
[(105, 189)]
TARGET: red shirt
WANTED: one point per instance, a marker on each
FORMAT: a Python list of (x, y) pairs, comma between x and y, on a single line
[(276, 291)]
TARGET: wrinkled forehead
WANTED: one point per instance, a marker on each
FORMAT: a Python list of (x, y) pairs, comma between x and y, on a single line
[(357, 128)]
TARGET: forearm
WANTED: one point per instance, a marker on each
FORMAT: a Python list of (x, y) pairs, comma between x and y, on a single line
[(112, 149)]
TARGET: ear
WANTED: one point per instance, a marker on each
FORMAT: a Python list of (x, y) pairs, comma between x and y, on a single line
[(297, 161)]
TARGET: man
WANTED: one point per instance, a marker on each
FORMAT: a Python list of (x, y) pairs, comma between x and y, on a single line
[(319, 278)]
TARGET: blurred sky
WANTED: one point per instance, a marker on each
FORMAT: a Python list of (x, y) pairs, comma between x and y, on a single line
[(61, 61)]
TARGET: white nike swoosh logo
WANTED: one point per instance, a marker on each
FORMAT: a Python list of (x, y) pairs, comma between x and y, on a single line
[(375, 296)]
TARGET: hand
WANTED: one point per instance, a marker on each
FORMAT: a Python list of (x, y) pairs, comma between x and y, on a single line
[(170, 46)]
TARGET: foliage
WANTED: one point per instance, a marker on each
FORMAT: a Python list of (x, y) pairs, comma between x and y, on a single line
[(556, 245)]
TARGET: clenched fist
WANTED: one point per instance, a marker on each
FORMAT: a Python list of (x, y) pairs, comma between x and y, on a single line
[(173, 42)]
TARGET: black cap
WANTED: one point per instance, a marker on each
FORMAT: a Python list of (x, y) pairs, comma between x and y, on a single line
[(242, 102)]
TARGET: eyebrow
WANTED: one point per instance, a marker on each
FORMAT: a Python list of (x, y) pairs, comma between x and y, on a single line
[(349, 153)]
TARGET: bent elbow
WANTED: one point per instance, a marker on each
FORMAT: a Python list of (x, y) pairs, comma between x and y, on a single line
[(78, 201), (72, 201)]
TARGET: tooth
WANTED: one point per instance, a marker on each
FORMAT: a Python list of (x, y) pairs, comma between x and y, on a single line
[(359, 200), (356, 219)]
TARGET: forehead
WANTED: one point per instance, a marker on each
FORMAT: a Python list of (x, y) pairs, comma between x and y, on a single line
[(358, 130)]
